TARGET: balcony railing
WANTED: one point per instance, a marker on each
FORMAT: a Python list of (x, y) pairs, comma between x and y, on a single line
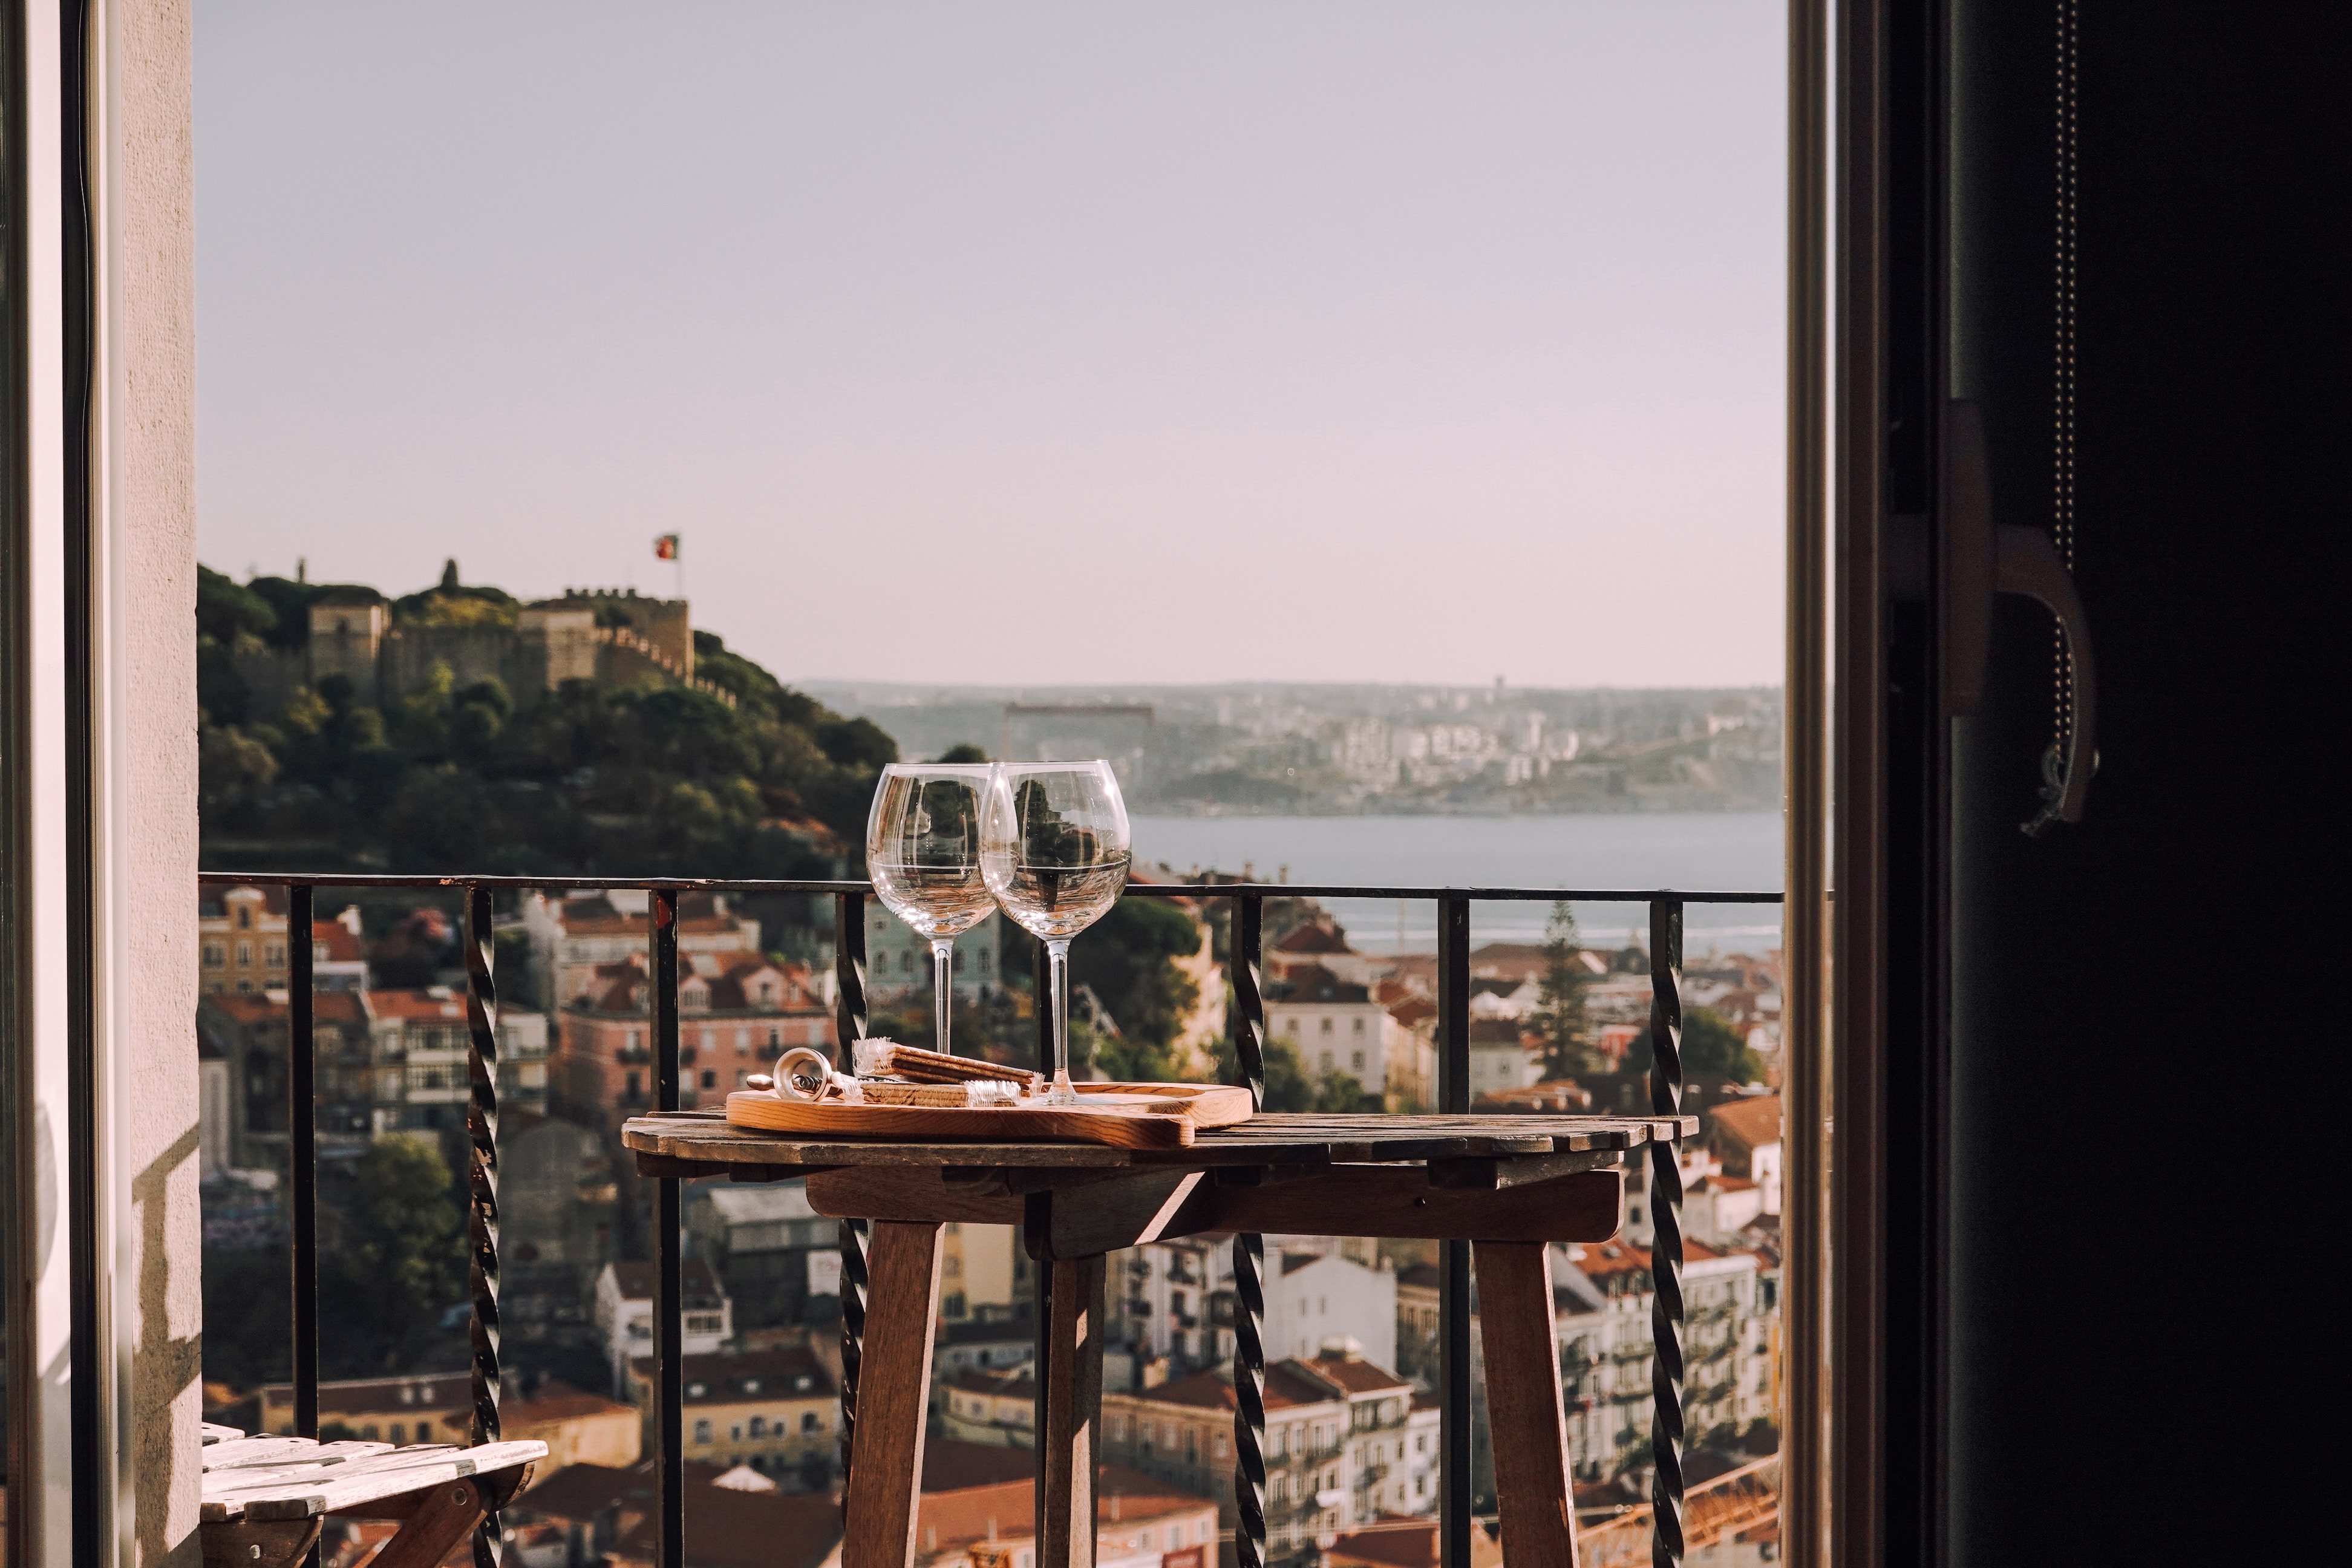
[(1246, 1022)]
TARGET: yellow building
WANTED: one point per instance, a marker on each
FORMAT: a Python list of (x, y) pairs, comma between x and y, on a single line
[(578, 1428), (772, 1410)]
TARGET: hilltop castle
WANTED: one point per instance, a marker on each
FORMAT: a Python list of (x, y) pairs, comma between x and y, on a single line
[(612, 637)]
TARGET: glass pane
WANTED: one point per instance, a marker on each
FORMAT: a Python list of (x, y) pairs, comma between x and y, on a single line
[(612, 492)]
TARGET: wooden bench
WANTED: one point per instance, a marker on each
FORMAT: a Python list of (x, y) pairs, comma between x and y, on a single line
[(267, 1499)]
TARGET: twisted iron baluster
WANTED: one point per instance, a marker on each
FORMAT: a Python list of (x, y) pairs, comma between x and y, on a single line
[(482, 1187), (1248, 1025), (849, 1027), (1666, 1244)]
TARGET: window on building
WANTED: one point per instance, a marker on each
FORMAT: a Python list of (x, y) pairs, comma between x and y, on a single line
[(399, 1432), (808, 1422), (274, 954), (1326, 1026), (216, 957), (1357, 1062), (702, 1432), (709, 1080), (1358, 1026), (244, 917), (243, 954), (1326, 1060)]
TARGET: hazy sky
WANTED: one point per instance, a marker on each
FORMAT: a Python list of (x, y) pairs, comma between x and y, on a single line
[(1018, 341)]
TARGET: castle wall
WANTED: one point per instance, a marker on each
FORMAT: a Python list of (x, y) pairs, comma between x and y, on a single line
[(551, 648)]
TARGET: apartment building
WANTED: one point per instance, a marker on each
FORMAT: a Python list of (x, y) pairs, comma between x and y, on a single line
[(775, 1411), (419, 1040), (735, 1015), (1346, 1441), (625, 1312), (1336, 1025), (574, 936)]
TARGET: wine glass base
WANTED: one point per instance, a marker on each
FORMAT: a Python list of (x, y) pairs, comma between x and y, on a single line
[(1060, 1093)]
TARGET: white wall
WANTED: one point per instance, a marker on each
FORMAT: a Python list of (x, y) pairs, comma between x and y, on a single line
[(1328, 1298)]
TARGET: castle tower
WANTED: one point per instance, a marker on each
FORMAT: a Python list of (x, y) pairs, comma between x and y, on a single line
[(347, 633)]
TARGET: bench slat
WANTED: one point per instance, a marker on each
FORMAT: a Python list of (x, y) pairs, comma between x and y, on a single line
[(350, 1484), (222, 1457)]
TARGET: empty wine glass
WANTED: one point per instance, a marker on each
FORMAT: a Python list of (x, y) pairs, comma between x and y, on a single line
[(922, 851), (1055, 849)]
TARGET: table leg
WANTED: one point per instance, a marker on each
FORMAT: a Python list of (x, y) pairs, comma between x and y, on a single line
[(1525, 1417), (902, 1269), (1073, 1401)]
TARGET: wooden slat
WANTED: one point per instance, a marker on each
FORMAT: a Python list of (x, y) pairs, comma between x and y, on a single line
[(347, 1486), (244, 1451), (1494, 1174), (1073, 1414), (211, 1432), (1524, 1409), (902, 1267)]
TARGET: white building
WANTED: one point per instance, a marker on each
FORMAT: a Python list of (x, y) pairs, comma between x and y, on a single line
[(1499, 1057), (1336, 1025), (418, 1040), (1346, 1441), (625, 1312), (898, 961), (996, 1409), (1313, 1299), (1602, 1294), (1159, 1300)]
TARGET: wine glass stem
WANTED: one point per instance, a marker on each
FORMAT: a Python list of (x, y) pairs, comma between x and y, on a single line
[(943, 990), (1057, 970)]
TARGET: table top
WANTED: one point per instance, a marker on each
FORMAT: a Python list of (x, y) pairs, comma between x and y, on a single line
[(669, 1144)]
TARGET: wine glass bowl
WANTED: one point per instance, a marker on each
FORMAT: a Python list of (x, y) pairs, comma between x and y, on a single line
[(1054, 851), (923, 854)]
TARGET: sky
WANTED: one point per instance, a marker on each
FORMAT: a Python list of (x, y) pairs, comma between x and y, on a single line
[(1085, 344)]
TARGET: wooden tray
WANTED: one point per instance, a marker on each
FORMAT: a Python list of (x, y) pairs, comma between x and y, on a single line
[(1125, 1115)]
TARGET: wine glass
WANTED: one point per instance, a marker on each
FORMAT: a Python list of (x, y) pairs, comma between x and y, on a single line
[(1055, 849), (922, 852)]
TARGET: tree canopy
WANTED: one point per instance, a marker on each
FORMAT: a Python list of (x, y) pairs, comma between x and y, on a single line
[(1560, 1015), (588, 779), (1710, 1045)]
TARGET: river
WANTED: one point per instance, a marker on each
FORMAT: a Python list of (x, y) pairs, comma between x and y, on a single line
[(1724, 851)]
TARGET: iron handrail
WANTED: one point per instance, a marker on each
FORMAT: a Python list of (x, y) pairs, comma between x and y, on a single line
[(1246, 1021)]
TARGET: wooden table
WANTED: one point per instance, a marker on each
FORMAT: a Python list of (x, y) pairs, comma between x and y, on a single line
[(267, 1499), (1508, 1184)]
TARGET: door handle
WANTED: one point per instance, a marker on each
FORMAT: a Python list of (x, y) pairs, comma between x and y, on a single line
[(1982, 559)]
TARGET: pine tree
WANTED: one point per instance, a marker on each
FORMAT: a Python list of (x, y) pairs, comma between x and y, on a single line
[(1560, 1017)]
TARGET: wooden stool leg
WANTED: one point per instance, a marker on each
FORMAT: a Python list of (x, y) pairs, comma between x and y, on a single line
[(1525, 1416), (893, 1381), (445, 1516), (1073, 1400)]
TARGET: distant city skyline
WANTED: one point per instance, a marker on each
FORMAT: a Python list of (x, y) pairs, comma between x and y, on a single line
[(1322, 342)]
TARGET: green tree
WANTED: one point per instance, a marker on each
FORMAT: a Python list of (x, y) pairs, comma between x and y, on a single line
[(1337, 1092), (964, 752), (1129, 957), (1710, 1045), (406, 1234), (229, 614), (1560, 1015), (1286, 1084)]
